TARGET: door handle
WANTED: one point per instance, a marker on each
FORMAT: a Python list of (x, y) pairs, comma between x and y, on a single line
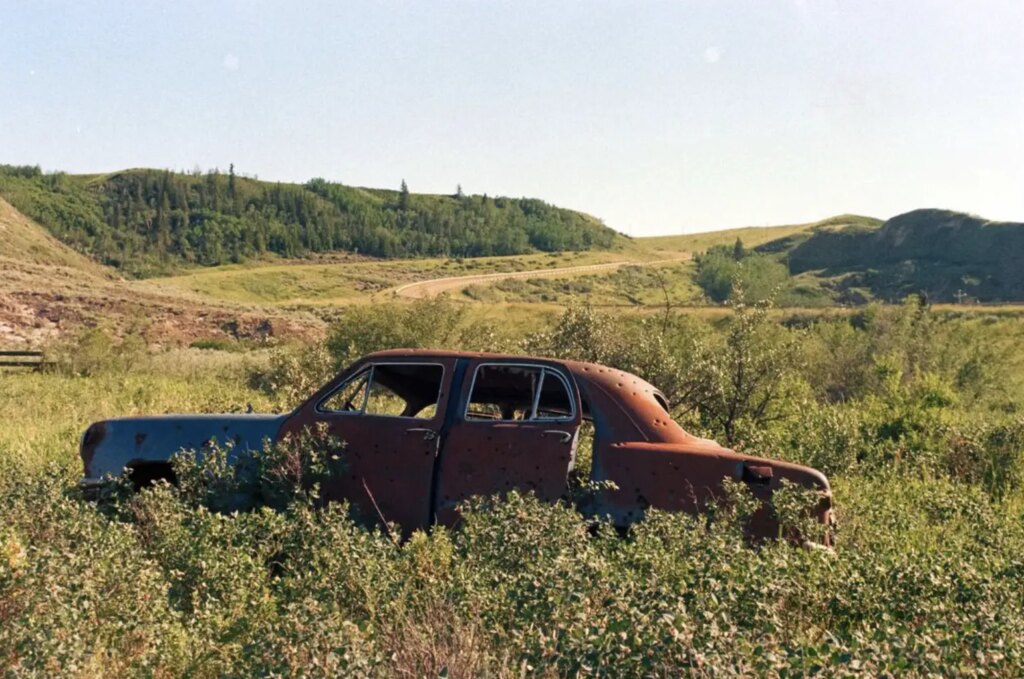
[(563, 436), (428, 434)]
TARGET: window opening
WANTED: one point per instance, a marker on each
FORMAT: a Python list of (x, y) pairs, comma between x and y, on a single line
[(349, 397), (390, 390), (505, 392)]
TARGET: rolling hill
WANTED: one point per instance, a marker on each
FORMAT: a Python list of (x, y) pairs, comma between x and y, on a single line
[(750, 235), (145, 222), (278, 257), (941, 253)]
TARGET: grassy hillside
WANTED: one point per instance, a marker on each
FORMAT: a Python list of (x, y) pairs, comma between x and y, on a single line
[(938, 252), (674, 280), (946, 256), (148, 221), (50, 289), (651, 285), (22, 240), (50, 293), (752, 236)]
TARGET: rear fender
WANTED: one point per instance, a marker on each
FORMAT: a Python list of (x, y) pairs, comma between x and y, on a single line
[(687, 477)]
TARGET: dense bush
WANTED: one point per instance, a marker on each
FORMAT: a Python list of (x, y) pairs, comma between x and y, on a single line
[(722, 269), (915, 417), (164, 587), (295, 372)]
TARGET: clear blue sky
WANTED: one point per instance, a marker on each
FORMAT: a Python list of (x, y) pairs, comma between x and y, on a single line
[(656, 117)]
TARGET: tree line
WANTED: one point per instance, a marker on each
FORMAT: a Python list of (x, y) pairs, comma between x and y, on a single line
[(147, 221)]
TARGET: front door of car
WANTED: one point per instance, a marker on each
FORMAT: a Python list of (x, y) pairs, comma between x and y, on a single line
[(516, 428), (389, 416)]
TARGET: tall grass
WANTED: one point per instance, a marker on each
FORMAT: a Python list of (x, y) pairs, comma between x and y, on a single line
[(46, 413)]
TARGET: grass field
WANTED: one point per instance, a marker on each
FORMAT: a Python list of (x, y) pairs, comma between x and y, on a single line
[(631, 285), (344, 281)]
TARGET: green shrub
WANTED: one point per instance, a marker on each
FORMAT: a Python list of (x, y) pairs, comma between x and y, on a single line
[(281, 473), (92, 351), (905, 411), (924, 578), (724, 271), (989, 454), (293, 373), (218, 344)]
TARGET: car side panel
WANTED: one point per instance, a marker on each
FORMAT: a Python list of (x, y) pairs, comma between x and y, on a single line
[(388, 461), (481, 457)]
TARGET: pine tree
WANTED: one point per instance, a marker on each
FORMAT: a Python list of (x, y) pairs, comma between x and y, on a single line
[(738, 250), (403, 197), (163, 227)]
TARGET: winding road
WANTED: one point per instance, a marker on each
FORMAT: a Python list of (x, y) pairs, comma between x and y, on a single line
[(437, 286)]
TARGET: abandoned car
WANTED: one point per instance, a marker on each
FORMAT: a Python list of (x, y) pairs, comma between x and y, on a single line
[(427, 429)]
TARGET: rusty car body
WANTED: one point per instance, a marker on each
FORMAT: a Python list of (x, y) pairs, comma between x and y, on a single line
[(428, 429)]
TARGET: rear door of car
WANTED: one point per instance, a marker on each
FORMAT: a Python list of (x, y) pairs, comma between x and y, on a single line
[(389, 414), (516, 427)]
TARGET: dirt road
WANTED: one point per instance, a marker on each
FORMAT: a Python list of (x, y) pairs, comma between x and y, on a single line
[(436, 286)]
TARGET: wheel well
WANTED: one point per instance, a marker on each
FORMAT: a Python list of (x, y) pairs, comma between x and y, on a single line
[(145, 473)]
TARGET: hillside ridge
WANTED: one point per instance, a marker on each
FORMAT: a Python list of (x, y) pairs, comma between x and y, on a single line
[(146, 222), (942, 253)]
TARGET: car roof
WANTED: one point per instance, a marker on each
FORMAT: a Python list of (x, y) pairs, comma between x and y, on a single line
[(581, 369), (625, 402)]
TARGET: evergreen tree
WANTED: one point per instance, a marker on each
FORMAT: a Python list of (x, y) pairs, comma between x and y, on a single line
[(738, 250), (163, 226), (403, 197)]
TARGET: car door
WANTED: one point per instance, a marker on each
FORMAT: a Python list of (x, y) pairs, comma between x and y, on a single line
[(516, 428), (389, 415)]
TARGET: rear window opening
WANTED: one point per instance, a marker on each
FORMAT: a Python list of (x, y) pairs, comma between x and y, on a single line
[(519, 392)]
